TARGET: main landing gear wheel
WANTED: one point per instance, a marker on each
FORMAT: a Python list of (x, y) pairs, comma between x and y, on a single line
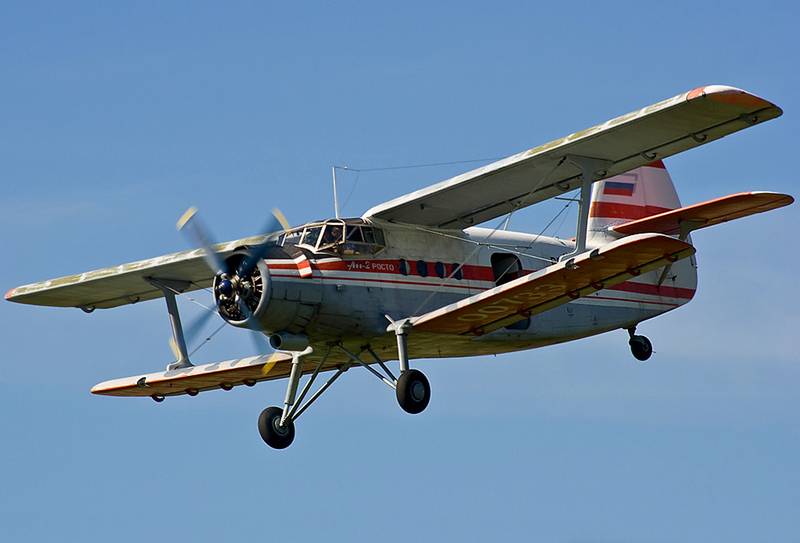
[(413, 391), (273, 434), (641, 348)]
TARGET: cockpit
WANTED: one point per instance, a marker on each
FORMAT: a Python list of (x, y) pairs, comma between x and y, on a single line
[(339, 236)]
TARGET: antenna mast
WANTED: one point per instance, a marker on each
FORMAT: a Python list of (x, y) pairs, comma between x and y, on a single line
[(335, 196)]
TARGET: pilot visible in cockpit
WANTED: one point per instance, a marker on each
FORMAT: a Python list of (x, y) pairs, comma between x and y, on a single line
[(333, 234)]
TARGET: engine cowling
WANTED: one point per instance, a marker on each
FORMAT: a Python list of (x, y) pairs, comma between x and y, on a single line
[(268, 303), (237, 296)]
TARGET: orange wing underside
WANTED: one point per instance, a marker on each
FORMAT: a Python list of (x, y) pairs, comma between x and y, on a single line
[(246, 371), (704, 214)]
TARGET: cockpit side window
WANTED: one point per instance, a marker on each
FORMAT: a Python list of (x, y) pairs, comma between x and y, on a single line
[(291, 238), (354, 234), (334, 234), (362, 240), (311, 235), (337, 236)]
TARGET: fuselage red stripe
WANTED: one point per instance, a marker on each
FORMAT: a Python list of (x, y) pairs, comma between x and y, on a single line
[(614, 210), (654, 290), (629, 300), (628, 286), (328, 277)]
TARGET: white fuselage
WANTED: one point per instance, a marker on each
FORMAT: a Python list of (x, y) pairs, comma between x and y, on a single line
[(347, 298)]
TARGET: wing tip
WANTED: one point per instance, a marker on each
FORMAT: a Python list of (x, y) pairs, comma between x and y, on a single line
[(726, 94)]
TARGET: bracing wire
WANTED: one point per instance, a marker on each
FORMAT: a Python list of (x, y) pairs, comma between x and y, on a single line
[(478, 245), (208, 338), (404, 167), (424, 165)]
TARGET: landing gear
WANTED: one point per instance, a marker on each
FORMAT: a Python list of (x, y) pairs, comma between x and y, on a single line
[(413, 391), (412, 388), (641, 348), (275, 434)]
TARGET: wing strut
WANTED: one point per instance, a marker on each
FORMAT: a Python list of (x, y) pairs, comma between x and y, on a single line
[(592, 169), (169, 287)]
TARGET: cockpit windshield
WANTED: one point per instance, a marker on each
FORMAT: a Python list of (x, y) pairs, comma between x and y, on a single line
[(345, 237)]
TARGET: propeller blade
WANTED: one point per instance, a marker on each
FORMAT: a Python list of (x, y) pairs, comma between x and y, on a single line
[(192, 226), (276, 223), (197, 325), (259, 340)]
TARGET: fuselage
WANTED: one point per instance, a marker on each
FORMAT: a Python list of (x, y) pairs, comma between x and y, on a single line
[(342, 280)]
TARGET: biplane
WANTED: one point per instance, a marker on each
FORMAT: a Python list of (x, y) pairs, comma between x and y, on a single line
[(417, 277)]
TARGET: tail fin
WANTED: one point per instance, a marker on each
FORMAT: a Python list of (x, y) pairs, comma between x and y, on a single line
[(632, 195)]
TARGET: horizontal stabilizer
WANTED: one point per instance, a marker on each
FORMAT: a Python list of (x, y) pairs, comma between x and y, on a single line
[(555, 285), (685, 219)]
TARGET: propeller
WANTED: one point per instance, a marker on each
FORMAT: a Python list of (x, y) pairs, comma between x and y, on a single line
[(233, 285), (276, 223), (193, 227)]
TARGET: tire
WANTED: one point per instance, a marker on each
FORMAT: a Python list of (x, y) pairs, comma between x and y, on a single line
[(413, 391), (277, 437), (641, 348)]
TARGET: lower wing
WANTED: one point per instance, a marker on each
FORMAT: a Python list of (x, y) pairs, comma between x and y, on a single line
[(555, 285)]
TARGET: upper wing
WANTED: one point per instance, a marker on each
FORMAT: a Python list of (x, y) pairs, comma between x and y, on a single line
[(705, 214), (126, 283), (658, 131), (555, 285)]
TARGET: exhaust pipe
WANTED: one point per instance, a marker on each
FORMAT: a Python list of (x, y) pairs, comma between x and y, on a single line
[(284, 341)]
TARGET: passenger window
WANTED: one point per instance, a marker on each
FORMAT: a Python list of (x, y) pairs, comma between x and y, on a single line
[(422, 268), (440, 270)]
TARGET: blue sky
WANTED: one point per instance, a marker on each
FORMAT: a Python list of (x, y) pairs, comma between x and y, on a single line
[(116, 117)]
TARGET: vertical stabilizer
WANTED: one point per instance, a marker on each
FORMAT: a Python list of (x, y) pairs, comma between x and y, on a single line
[(632, 195)]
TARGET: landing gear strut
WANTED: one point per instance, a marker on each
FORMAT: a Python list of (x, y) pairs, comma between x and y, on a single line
[(641, 348), (413, 390)]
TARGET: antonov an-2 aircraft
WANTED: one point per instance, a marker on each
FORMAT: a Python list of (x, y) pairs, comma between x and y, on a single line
[(416, 277)]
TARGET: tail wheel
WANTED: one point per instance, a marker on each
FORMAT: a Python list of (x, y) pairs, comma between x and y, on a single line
[(413, 391), (272, 432), (641, 348)]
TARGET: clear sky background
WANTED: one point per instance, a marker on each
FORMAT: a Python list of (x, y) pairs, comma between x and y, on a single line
[(115, 117)]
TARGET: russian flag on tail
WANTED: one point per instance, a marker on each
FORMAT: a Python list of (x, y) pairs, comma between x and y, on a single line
[(617, 188)]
